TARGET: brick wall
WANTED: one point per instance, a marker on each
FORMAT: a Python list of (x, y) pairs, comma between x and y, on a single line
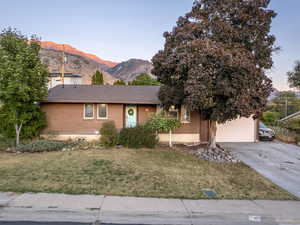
[(68, 118)]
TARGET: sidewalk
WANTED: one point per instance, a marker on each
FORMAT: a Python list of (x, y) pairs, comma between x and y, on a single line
[(130, 210)]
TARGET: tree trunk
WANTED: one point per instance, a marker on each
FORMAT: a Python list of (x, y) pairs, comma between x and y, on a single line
[(212, 135), (18, 130), (170, 139)]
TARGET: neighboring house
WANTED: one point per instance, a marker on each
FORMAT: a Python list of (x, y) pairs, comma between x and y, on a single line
[(293, 116), (79, 111), (69, 78)]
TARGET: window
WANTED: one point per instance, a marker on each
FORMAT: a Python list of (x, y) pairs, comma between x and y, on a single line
[(88, 111), (102, 111), (185, 115), (173, 112)]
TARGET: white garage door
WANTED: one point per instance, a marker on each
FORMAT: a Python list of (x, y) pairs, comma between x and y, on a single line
[(239, 130)]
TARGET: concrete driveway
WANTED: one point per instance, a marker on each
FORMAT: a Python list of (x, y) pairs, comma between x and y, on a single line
[(275, 160)]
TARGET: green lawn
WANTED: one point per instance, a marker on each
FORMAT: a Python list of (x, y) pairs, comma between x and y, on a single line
[(143, 172)]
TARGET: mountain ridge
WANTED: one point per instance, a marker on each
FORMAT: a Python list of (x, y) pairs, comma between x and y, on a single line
[(70, 49), (86, 64)]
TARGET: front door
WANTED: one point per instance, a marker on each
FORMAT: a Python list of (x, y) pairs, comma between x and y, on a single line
[(131, 115)]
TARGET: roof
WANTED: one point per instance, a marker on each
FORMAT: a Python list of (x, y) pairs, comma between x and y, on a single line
[(290, 116), (65, 75), (104, 94)]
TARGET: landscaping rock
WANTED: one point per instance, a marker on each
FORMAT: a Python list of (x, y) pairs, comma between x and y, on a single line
[(216, 155)]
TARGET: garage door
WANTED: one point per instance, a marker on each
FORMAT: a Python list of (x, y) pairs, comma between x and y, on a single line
[(239, 130)]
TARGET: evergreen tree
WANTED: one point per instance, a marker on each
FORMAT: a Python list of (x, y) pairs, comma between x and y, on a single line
[(214, 60), (97, 78)]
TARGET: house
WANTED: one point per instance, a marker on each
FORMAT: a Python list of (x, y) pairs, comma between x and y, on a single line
[(55, 79), (79, 111), (293, 116)]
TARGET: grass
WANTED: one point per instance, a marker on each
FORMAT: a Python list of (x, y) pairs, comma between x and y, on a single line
[(127, 172)]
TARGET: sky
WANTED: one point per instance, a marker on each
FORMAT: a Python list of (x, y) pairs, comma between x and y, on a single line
[(118, 30)]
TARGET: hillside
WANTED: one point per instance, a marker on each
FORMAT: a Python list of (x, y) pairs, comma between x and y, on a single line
[(86, 64), (78, 64), (74, 51), (128, 70)]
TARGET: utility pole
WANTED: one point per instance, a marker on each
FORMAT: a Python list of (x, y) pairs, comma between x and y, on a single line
[(63, 66), (286, 107)]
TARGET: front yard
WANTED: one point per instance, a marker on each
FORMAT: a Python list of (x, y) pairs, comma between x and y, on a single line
[(143, 172)]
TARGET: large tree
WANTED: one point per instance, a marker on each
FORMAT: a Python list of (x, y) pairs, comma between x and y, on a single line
[(23, 82), (97, 78), (214, 60), (144, 79), (294, 76)]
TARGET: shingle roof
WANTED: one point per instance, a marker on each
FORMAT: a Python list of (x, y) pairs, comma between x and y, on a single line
[(104, 94)]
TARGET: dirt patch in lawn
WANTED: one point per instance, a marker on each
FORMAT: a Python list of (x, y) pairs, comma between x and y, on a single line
[(127, 172)]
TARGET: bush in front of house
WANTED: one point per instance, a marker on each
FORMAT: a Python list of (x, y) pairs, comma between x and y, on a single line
[(41, 146), (138, 137), (109, 134)]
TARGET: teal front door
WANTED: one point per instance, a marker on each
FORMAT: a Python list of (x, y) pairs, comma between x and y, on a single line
[(131, 115)]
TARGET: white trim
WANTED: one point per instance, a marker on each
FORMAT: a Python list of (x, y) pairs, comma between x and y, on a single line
[(88, 118), (102, 118), (65, 137), (179, 138)]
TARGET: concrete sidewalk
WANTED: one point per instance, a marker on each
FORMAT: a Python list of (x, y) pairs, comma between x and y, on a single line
[(130, 210)]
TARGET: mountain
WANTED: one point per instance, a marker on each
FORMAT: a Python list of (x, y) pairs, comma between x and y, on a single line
[(86, 64), (130, 69), (78, 62), (74, 51)]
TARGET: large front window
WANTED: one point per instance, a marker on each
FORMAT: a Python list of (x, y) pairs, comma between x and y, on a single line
[(102, 111), (88, 111)]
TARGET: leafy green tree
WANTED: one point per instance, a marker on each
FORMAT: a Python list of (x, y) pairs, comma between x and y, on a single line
[(144, 79), (270, 118), (161, 123), (214, 60), (97, 78), (285, 103), (23, 83), (294, 76), (119, 82)]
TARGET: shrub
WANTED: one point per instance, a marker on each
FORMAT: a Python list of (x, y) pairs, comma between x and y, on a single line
[(41, 146), (138, 137), (109, 134), (6, 143), (270, 118), (292, 125)]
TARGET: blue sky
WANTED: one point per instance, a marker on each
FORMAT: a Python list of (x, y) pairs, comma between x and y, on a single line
[(121, 29)]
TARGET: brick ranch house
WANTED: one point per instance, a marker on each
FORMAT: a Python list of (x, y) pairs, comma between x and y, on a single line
[(80, 110)]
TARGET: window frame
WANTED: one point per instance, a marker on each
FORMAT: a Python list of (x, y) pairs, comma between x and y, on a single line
[(183, 111), (88, 118), (102, 118)]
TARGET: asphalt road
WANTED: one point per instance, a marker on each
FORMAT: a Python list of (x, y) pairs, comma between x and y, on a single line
[(40, 223), (50, 223)]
